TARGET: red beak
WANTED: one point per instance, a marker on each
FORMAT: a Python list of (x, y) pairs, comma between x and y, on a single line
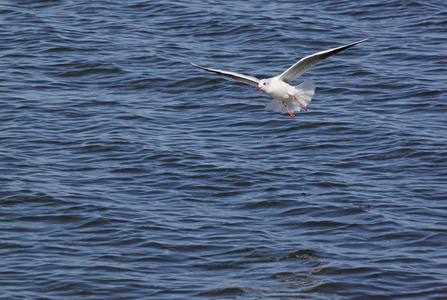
[(259, 87)]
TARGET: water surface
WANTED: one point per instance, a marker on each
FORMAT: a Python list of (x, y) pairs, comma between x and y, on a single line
[(126, 173)]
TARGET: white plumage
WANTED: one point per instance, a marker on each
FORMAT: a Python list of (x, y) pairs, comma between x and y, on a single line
[(286, 98)]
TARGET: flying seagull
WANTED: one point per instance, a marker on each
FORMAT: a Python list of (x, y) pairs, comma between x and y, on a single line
[(285, 96)]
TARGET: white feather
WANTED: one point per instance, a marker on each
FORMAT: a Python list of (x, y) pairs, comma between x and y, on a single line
[(304, 92), (278, 87), (276, 106)]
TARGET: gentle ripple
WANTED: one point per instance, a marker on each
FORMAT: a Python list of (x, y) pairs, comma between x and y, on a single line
[(126, 173)]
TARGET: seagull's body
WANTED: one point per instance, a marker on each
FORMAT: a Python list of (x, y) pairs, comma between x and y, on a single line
[(285, 96)]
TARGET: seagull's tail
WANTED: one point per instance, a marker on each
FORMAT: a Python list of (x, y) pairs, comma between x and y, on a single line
[(276, 106), (306, 91)]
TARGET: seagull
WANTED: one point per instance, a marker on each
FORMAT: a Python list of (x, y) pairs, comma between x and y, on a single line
[(286, 97)]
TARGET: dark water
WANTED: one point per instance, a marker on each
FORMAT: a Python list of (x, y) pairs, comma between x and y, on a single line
[(126, 173)]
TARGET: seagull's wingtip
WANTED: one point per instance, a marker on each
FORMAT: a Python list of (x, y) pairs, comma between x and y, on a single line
[(195, 65)]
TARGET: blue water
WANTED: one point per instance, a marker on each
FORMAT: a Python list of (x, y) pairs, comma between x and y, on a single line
[(127, 173)]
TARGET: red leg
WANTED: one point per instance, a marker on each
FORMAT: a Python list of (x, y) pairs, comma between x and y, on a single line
[(300, 103), (292, 115)]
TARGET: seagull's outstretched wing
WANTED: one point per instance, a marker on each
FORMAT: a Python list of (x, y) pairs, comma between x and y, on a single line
[(239, 77), (308, 62)]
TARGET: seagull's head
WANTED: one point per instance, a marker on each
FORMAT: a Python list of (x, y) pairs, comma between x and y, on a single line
[(264, 83)]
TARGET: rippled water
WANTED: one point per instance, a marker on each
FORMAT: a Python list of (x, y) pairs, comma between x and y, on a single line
[(126, 173)]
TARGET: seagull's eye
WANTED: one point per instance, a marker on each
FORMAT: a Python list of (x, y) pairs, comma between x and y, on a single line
[(264, 83)]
